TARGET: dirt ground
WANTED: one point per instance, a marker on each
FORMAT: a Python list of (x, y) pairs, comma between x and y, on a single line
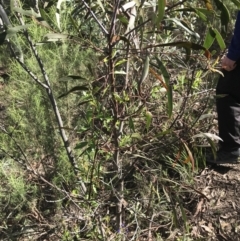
[(216, 215)]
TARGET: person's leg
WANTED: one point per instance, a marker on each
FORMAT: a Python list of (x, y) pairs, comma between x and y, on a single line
[(228, 109)]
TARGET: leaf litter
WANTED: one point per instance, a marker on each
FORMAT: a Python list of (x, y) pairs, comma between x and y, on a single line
[(219, 217)]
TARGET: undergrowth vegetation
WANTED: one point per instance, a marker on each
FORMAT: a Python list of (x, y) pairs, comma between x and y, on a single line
[(103, 124)]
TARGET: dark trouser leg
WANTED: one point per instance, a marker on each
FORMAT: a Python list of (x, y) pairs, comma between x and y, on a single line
[(228, 109)]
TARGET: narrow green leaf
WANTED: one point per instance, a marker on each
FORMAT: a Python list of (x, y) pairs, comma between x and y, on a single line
[(163, 133), (136, 136), (209, 39), (121, 61), (166, 76), (84, 102), (75, 77), (117, 97), (74, 89), (74, 23), (148, 115), (101, 5), (166, 194), (145, 70), (225, 15), (202, 13), (188, 54), (13, 30), (131, 124), (71, 77), (170, 100), (161, 11), (29, 13), (46, 19), (219, 39), (184, 216), (81, 145), (237, 3), (184, 26), (185, 45), (213, 147), (121, 72), (122, 19)]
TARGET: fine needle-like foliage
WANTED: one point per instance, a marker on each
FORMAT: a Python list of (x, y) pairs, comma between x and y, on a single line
[(105, 112)]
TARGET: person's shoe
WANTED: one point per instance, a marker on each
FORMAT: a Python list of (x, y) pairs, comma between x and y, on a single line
[(225, 157)]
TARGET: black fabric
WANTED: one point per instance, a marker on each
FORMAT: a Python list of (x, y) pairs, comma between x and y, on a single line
[(228, 108)]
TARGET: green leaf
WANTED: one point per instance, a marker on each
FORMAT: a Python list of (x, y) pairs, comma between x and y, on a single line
[(164, 71), (45, 18), (122, 19), (121, 61), (161, 11), (11, 31), (121, 72), (219, 39), (74, 89), (29, 13), (202, 13), (145, 70), (188, 54), (185, 45), (148, 115), (166, 76), (210, 137), (136, 136), (84, 102), (101, 5), (131, 124), (71, 77), (236, 2), (209, 39), (81, 145), (117, 98), (184, 26), (170, 100), (225, 15)]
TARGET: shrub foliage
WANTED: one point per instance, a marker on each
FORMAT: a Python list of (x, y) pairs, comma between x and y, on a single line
[(103, 119)]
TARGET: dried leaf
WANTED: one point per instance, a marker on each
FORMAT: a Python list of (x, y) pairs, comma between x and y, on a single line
[(208, 135)]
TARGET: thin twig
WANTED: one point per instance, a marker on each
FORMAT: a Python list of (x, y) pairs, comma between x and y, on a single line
[(96, 19), (113, 22)]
